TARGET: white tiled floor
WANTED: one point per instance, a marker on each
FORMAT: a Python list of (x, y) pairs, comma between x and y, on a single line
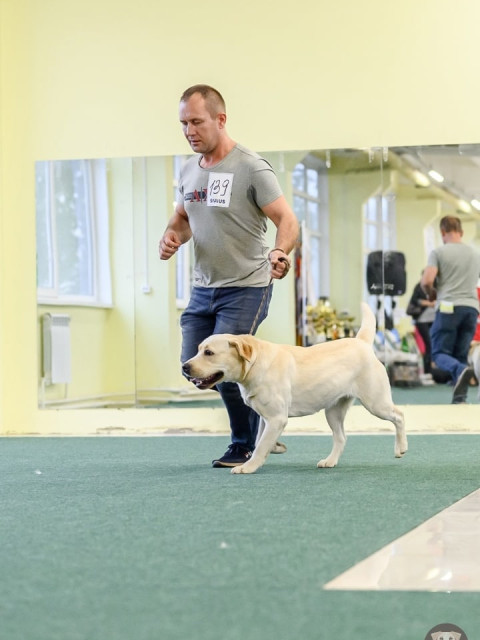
[(442, 554)]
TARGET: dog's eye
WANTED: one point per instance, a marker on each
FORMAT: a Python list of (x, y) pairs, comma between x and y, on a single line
[(207, 352)]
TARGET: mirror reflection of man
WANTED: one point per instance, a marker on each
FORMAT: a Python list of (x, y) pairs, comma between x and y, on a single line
[(226, 195), (456, 268)]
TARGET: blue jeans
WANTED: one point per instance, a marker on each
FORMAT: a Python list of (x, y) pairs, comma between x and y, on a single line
[(226, 310), (451, 335)]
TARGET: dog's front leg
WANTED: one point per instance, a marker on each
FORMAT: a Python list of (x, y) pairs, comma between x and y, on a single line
[(271, 432)]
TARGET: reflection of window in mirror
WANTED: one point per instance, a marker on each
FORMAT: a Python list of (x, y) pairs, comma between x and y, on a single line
[(73, 265), (379, 224), (310, 204), (184, 254)]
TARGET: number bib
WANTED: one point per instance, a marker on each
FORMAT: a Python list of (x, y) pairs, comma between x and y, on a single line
[(219, 189), (446, 307)]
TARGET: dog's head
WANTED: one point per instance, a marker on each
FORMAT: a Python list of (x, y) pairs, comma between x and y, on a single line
[(446, 635), (222, 357)]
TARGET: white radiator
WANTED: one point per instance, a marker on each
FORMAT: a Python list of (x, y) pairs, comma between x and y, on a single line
[(57, 365)]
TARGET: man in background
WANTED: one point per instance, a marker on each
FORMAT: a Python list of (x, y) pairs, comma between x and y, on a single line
[(456, 268)]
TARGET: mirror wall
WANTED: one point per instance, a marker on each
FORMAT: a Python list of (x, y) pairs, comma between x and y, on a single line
[(108, 332)]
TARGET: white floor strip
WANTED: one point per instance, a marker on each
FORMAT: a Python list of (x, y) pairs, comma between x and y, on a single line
[(442, 554)]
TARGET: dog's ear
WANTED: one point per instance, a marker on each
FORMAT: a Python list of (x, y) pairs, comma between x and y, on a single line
[(244, 349)]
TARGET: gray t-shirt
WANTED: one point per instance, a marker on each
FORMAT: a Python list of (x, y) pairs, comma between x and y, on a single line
[(223, 204), (458, 267)]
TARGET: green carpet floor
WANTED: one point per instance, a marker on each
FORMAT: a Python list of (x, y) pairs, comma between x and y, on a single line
[(139, 539)]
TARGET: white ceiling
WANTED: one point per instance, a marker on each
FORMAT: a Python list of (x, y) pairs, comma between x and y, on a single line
[(459, 164)]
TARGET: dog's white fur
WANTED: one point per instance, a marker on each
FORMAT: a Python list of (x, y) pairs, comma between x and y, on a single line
[(474, 362), (279, 381)]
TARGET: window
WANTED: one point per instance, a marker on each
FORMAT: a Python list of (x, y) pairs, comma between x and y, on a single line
[(73, 265), (379, 223), (310, 204)]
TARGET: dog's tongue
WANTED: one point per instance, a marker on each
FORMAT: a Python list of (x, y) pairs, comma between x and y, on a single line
[(199, 383)]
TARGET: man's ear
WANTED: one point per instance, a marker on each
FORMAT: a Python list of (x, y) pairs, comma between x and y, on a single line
[(244, 349)]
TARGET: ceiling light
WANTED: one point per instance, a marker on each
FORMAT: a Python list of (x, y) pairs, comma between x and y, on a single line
[(464, 206), (435, 175), (421, 179), (475, 203)]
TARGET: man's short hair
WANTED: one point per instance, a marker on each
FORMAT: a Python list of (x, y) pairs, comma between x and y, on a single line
[(213, 98), (450, 223)]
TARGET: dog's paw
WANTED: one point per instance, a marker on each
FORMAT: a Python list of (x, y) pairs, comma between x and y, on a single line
[(326, 464), (279, 447), (244, 468), (401, 450)]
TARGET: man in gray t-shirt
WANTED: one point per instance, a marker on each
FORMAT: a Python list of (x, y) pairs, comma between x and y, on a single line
[(226, 196), (451, 279), (224, 208)]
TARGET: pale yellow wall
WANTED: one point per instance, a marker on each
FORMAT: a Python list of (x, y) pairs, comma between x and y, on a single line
[(311, 75), (101, 78)]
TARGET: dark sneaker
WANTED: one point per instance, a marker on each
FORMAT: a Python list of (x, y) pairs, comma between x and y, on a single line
[(234, 456), (461, 386)]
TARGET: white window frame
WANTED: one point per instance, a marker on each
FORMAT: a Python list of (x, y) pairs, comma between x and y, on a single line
[(320, 278), (98, 223)]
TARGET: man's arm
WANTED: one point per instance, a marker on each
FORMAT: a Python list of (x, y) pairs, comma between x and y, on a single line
[(282, 216), (428, 282), (177, 233)]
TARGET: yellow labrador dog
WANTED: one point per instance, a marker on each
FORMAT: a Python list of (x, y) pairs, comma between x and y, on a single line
[(279, 381), (474, 362)]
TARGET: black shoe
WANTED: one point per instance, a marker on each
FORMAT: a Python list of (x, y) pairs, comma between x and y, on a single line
[(234, 456), (461, 386)]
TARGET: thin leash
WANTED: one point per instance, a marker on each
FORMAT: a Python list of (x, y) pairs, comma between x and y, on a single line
[(265, 294), (262, 302)]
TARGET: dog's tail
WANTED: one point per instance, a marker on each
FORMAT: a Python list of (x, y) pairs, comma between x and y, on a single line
[(368, 328)]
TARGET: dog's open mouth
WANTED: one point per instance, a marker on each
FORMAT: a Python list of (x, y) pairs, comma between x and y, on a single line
[(207, 383)]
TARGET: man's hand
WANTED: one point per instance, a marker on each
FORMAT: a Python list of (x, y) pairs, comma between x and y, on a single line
[(279, 263), (168, 245)]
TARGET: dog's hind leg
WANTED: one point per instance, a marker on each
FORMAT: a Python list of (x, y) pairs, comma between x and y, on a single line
[(401, 443), (388, 411), (278, 447), (335, 417)]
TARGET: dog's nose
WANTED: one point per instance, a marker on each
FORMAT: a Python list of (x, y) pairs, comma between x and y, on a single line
[(186, 368)]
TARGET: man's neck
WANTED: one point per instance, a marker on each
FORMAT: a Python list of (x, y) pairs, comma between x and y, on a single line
[(452, 237), (218, 154)]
